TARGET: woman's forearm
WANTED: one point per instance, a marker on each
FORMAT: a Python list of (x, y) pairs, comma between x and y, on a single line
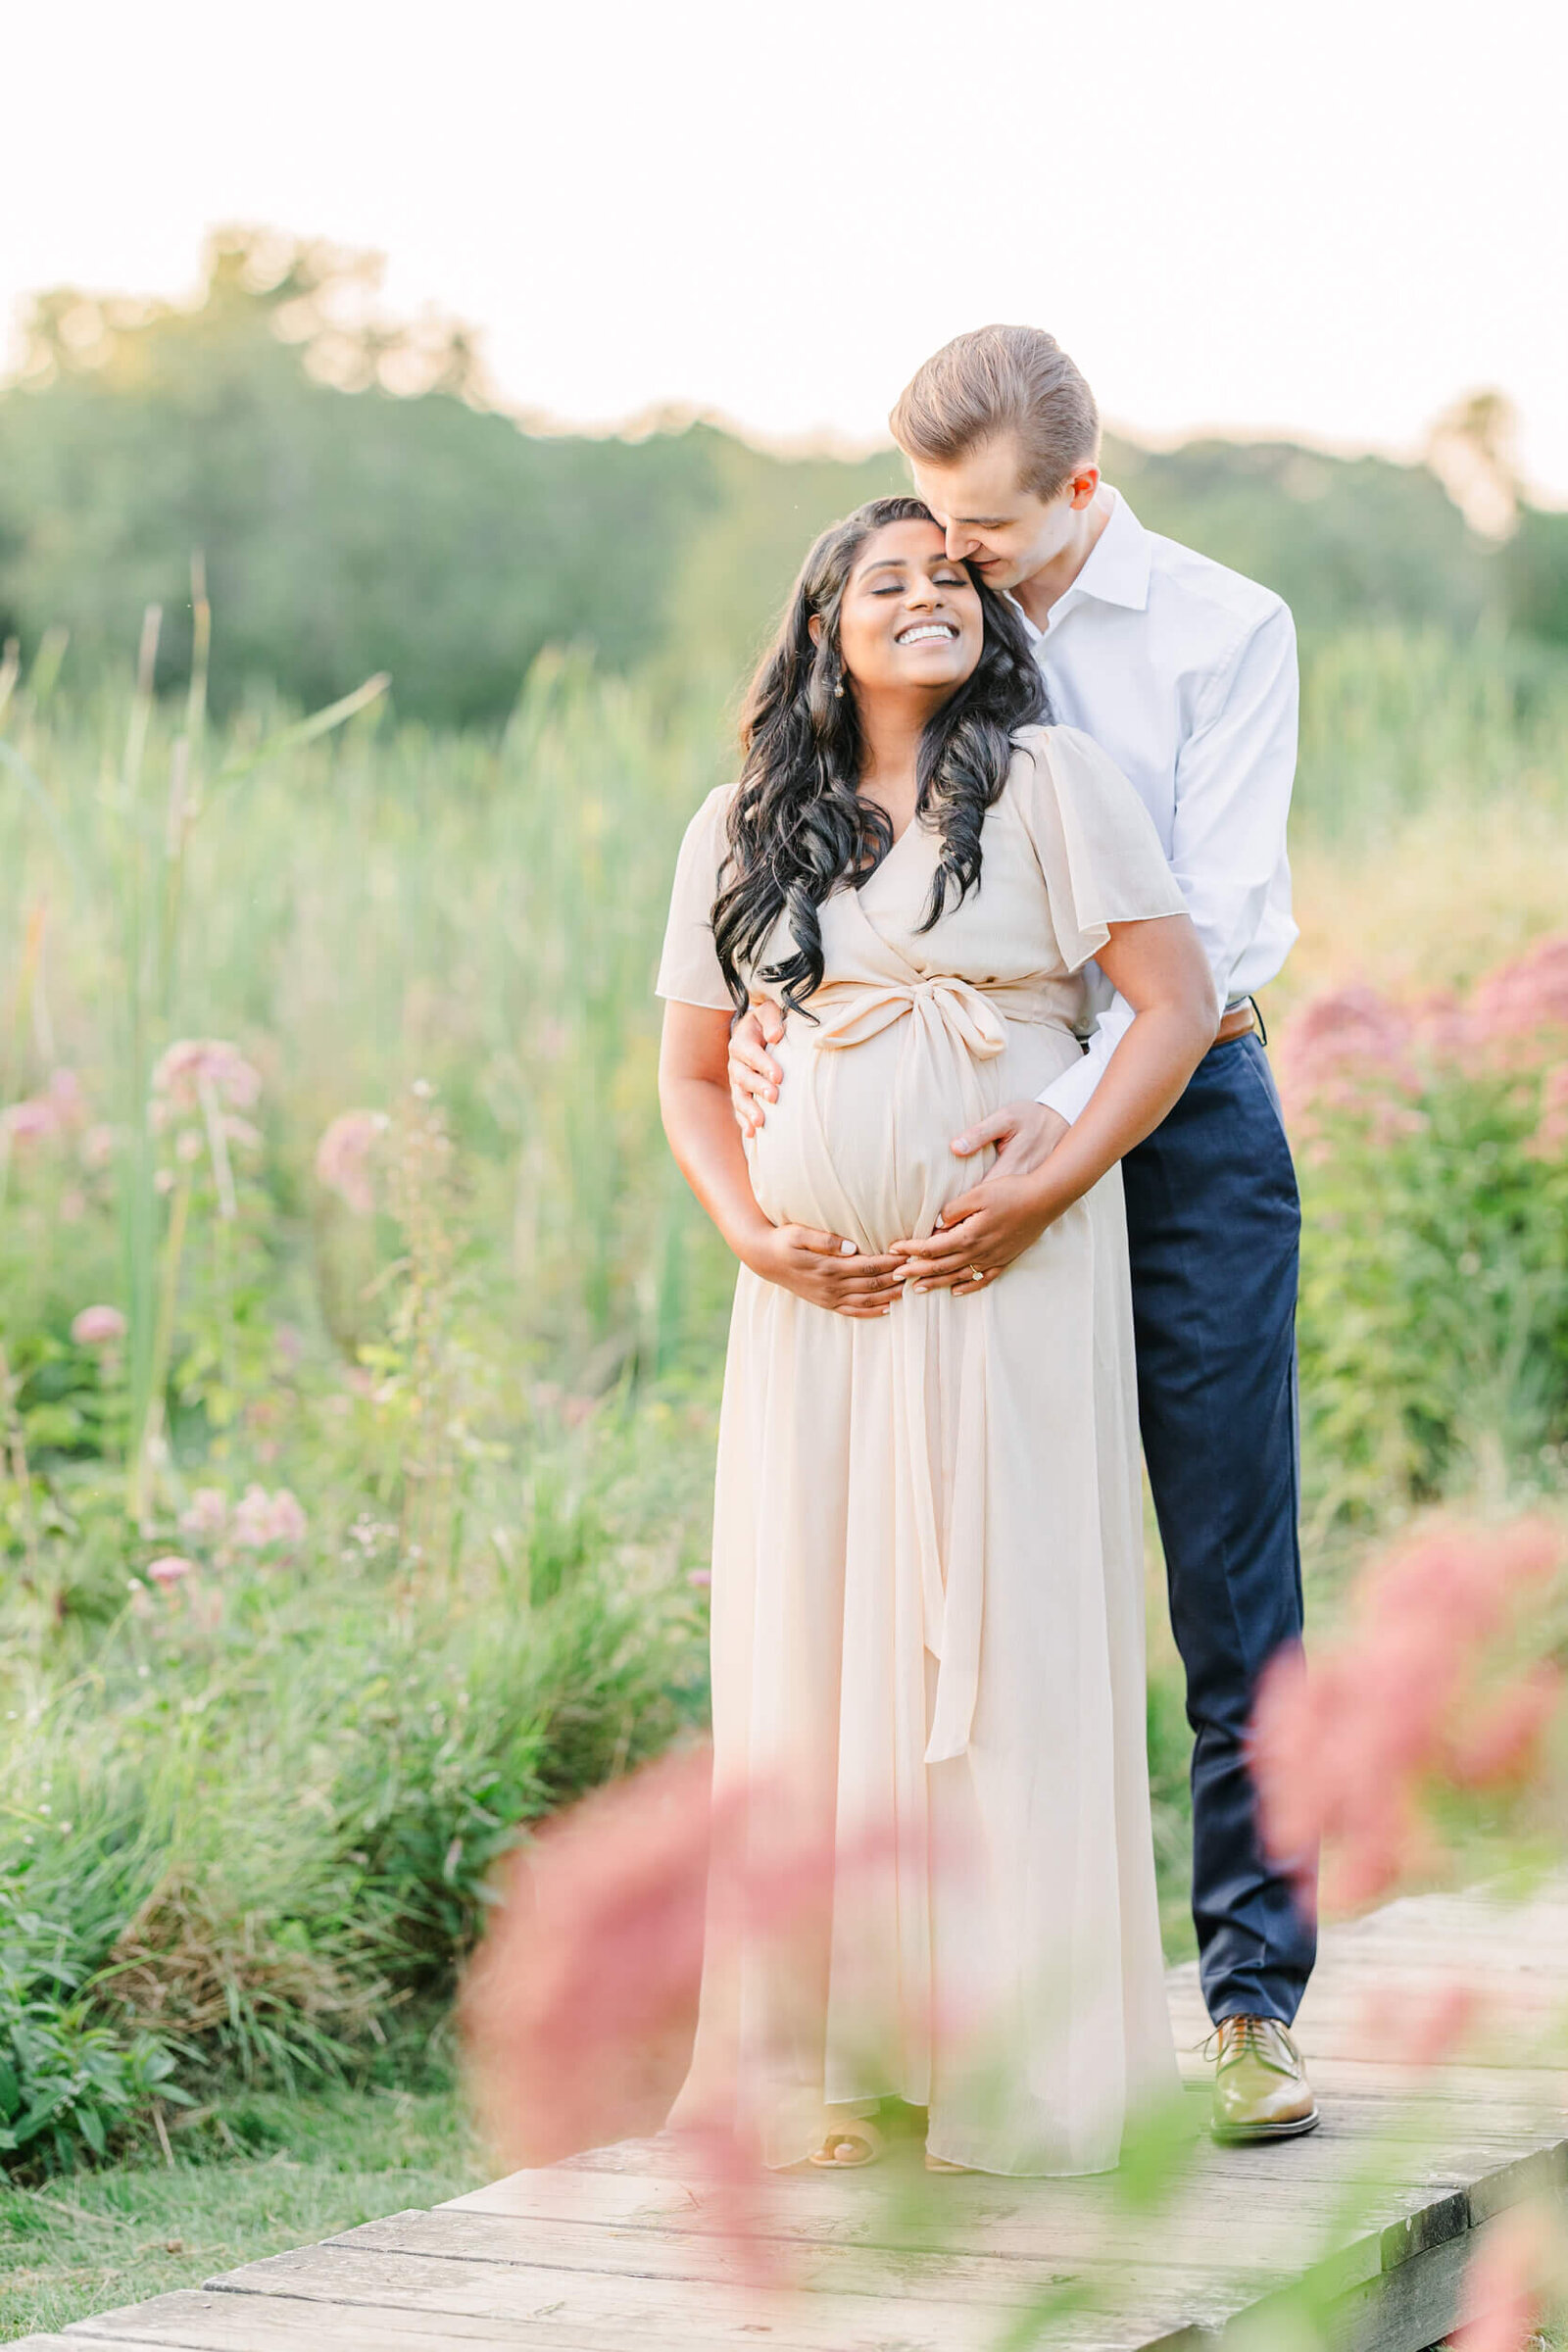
[(707, 1142), (1144, 1077)]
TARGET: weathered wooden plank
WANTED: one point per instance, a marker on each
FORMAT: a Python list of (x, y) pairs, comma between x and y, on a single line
[(210, 2321), (649, 2311), (989, 2264)]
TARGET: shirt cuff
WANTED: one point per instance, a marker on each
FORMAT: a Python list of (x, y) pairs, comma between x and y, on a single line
[(1068, 1095)]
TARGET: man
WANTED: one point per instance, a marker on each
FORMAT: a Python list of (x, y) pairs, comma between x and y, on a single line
[(1186, 674)]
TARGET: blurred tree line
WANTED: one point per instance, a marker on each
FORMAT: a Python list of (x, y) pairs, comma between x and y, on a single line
[(360, 505)]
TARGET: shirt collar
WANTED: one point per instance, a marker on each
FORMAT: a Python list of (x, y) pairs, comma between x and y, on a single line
[(1116, 571)]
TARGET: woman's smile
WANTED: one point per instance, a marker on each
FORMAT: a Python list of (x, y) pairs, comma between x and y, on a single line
[(918, 630)]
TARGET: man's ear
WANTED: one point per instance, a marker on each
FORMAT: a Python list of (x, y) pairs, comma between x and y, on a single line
[(1083, 485), (814, 624)]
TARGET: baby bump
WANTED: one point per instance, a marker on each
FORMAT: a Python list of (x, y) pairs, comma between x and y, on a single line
[(859, 1140)]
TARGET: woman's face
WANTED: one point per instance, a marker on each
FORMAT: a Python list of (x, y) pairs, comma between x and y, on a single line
[(910, 618)]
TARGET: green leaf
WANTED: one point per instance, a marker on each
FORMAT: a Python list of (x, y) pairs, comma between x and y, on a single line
[(10, 2089), (91, 2126), (304, 730)]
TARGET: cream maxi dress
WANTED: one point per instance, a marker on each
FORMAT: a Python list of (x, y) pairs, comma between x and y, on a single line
[(927, 1589)]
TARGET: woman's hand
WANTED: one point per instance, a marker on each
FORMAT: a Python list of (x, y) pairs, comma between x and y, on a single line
[(755, 1077), (979, 1236), (826, 1271)]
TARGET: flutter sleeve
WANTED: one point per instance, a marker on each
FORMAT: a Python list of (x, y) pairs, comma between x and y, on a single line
[(1096, 842), (689, 967)]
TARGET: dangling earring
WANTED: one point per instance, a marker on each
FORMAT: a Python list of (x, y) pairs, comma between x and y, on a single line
[(837, 692)]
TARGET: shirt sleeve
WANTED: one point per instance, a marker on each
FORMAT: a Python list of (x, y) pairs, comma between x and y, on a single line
[(689, 968), (1234, 775)]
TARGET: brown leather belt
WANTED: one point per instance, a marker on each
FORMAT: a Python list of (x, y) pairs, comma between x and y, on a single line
[(1239, 1021)]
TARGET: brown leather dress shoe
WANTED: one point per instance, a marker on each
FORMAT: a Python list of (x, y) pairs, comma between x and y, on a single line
[(1260, 2086)]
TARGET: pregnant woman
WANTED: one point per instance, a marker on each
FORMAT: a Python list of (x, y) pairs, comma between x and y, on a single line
[(927, 1588)]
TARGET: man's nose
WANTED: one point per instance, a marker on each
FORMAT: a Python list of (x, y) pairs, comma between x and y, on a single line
[(958, 540)]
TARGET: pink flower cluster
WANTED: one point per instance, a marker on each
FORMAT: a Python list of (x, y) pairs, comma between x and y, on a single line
[(1354, 1051), (1343, 1750), (98, 1327), (197, 1065), (258, 1522), (44, 1118), (345, 1157)]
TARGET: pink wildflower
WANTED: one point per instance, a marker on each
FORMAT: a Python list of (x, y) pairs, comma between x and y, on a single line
[(97, 1147), (195, 1063), (67, 1099), (1417, 2025), (1345, 1046), (1502, 2302), (700, 1578), (345, 1153), (72, 1206), (1551, 1138), (206, 1515), (169, 1570), (262, 1519), (98, 1327), (1341, 1753), (1499, 1744), (29, 1121), (1525, 996)]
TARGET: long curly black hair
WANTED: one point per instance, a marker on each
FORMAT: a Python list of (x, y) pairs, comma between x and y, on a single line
[(798, 825)]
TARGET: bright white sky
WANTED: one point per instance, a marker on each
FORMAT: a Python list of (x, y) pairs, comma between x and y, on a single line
[(1326, 219)]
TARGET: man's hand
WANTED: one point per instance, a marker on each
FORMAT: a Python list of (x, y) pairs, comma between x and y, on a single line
[(1026, 1135), (979, 1236), (827, 1272), (755, 1078), (1003, 1214)]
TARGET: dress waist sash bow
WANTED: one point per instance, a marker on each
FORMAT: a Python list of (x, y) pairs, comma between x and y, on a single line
[(849, 1012)]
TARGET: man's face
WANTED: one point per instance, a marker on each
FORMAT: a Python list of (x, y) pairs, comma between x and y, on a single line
[(992, 521)]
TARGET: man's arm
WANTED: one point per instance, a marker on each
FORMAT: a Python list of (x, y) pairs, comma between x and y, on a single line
[(1233, 797)]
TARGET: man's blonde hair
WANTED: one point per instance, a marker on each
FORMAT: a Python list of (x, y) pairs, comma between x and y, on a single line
[(1001, 379)]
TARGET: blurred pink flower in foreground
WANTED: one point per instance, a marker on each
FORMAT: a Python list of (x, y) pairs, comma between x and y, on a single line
[(1343, 1751), (1506, 2284), (98, 1327), (580, 2008), (1415, 2024), (206, 1515), (195, 1063), (169, 1570), (260, 1519), (346, 1154)]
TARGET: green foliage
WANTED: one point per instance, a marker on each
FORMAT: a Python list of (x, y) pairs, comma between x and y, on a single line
[(70, 2083), (248, 2175), (1433, 1312)]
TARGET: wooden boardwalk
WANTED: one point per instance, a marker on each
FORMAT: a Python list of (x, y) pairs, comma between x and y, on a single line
[(616, 2253)]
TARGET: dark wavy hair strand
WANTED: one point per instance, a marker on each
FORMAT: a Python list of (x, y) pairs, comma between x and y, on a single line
[(798, 826)]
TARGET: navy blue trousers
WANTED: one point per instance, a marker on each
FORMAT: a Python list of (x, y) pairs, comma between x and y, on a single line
[(1213, 1222)]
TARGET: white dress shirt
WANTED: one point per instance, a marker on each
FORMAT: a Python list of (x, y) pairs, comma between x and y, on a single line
[(1185, 673)]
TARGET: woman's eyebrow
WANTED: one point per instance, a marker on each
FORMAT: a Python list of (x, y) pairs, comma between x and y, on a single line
[(888, 563)]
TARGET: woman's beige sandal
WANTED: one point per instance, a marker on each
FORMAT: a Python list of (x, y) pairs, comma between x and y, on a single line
[(846, 2147), (940, 2164)]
